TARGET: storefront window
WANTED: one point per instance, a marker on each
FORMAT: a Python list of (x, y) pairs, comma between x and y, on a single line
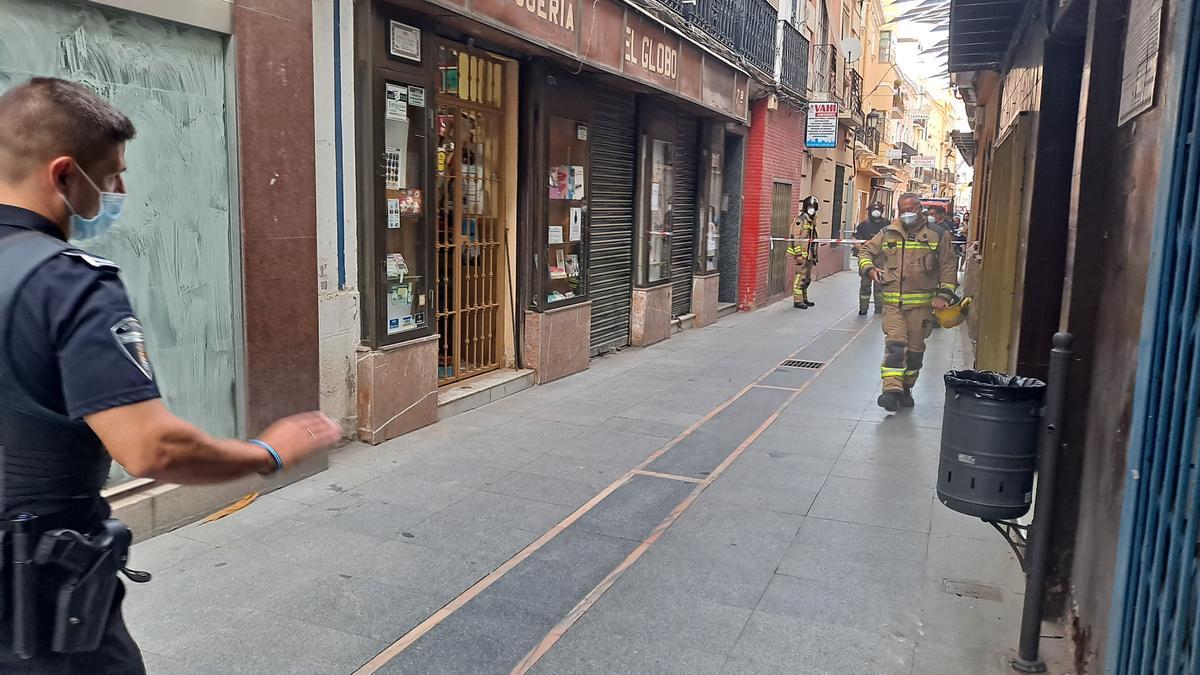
[(659, 264), (711, 242), (566, 213), (402, 280)]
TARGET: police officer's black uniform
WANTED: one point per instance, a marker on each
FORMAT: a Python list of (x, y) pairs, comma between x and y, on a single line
[(864, 232), (70, 346)]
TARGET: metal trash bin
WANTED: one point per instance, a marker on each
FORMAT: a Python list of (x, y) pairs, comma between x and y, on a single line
[(989, 443)]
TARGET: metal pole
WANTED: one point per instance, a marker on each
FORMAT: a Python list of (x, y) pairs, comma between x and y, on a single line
[(1027, 660)]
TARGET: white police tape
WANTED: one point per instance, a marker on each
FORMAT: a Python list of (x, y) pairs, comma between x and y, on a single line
[(835, 242)]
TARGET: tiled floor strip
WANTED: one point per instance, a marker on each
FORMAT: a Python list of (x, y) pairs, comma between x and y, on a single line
[(824, 342)]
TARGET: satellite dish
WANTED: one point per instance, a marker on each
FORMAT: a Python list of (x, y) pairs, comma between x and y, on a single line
[(852, 49)]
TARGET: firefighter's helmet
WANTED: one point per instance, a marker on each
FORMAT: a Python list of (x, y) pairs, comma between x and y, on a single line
[(953, 315)]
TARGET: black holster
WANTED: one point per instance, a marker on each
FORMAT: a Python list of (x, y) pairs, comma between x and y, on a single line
[(78, 571)]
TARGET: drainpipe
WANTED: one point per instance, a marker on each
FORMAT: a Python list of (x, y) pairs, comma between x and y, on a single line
[(1050, 443)]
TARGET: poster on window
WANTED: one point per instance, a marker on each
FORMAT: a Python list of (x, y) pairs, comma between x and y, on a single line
[(396, 98), (399, 311), (393, 168), (410, 201), (393, 214)]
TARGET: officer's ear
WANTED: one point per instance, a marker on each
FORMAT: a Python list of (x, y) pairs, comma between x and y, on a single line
[(60, 169)]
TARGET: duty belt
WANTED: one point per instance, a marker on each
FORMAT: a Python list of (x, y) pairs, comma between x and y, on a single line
[(80, 570)]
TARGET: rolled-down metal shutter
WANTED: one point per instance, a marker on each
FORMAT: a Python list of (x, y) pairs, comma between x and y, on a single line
[(683, 213), (610, 243)]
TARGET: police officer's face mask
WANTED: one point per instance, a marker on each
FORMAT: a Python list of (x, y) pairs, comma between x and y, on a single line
[(112, 204), (877, 213)]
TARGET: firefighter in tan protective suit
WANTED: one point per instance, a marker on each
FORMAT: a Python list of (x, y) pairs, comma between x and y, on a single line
[(918, 272), (804, 250)]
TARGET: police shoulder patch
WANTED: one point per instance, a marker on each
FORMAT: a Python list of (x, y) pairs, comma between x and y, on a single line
[(95, 261), (132, 342)]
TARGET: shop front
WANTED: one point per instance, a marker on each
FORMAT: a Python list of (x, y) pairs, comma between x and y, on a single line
[(534, 168)]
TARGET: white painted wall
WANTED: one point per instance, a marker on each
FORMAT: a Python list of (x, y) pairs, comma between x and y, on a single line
[(340, 328)]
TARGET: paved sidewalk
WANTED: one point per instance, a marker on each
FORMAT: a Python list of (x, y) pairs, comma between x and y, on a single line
[(819, 549)]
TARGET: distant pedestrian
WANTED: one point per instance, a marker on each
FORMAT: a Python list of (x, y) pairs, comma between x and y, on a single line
[(803, 250), (937, 218), (915, 266), (876, 221), (959, 237)]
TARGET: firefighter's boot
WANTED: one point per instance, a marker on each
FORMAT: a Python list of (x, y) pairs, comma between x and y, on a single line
[(889, 400), (906, 399)]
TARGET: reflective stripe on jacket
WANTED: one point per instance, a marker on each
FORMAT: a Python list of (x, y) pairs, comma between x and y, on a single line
[(916, 265)]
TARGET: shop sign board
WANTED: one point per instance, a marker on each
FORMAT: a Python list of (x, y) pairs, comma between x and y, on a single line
[(895, 153), (551, 22), (822, 125), (923, 162), (616, 38), (651, 54)]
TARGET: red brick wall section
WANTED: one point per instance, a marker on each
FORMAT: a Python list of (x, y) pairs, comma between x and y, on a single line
[(774, 153), (278, 204)]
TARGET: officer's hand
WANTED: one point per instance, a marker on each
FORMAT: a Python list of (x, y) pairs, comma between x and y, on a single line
[(940, 303), (876, 275), (299, 436)]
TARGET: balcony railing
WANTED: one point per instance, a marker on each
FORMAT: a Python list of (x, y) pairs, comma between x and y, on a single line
[(825, 71), (757, 39), (868, 137), (854, 96), (794, 69), (745, 26)]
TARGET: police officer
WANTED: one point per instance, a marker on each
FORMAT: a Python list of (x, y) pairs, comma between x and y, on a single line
[(916, 267), (78, 385), (803, 250), (868, 228)]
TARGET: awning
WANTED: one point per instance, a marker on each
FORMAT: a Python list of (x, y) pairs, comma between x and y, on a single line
[(980, 32), (965, 142)]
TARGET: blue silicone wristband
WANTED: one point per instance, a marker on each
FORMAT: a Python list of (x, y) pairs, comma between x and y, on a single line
[(274, 455)]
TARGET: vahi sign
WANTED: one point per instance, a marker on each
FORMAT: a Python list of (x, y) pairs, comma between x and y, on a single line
[(822, 125)]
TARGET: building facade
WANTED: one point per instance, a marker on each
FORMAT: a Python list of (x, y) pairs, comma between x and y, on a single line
[(516, 189), (1081, 222), (217, 242)]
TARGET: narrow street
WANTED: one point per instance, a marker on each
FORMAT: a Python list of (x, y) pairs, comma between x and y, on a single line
[(681, 509)]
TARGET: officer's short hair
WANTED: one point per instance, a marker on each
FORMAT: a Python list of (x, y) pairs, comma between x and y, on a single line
[(909, 195), (937, 208), (48, 117)]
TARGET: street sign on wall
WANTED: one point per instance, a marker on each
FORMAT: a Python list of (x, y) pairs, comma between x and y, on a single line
[(895, 153), (822, 125), (923, 162)]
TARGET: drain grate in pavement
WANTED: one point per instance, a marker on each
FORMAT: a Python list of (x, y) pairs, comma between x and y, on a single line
[(796, 363), (967, 589)]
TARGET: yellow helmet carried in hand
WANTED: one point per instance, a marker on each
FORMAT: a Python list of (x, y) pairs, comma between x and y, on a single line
[(954, 314)]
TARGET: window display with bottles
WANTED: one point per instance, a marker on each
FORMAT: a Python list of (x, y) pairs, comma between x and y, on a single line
[(566, 211)]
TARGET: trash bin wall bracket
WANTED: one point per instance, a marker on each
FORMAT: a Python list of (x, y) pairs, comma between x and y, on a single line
[(1017, 536)]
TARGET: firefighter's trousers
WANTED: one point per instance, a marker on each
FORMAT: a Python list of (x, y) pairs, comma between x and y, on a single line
[(803, 280), (865, 293), (903, 345)]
